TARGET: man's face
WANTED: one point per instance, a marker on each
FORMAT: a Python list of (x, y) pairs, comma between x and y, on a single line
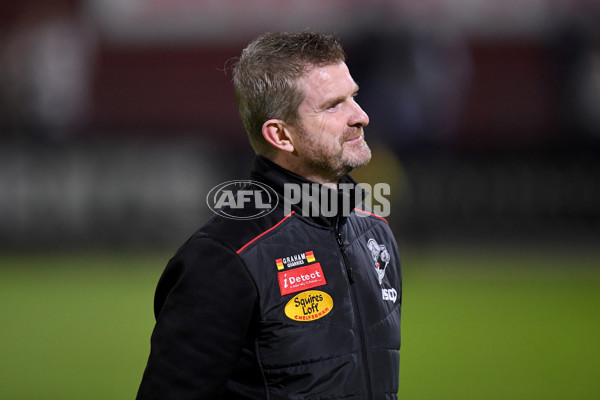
[(330, 139)]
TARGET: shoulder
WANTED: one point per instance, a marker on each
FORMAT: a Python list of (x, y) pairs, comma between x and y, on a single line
[(365, 219), (370, 216), (234, 234)]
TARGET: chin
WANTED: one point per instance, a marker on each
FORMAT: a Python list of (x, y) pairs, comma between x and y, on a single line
[(359, 160), (353, 164)]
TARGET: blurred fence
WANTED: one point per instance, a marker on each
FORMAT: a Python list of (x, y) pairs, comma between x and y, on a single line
[(152, 193), (503, 197), (107, 193), (116, 118)]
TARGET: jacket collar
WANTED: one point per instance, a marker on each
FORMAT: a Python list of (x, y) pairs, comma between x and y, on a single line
[(277, 177)]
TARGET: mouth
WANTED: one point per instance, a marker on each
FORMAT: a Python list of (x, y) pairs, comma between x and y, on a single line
[(355, 139)]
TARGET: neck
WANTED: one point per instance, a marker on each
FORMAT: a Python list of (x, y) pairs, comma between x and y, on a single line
[(305, 171)]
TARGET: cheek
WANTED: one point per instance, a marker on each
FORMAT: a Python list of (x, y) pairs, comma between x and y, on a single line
[(326, 132), (322, 127), (333, 128)]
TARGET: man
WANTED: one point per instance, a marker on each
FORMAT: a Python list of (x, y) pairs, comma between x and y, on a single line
[(290, 305)]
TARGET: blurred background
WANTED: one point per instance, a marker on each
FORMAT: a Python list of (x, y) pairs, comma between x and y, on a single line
[(118, 116)]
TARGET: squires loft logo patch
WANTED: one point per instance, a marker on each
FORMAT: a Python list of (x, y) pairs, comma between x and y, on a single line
[(381, 258), (309, 306)]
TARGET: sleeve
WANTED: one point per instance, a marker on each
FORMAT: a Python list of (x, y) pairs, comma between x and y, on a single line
[(204, 304)]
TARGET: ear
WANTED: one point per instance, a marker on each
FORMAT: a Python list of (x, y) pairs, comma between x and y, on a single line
[(278, 135)]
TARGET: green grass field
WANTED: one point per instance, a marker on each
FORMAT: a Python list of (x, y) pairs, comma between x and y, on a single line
[(477, 324)]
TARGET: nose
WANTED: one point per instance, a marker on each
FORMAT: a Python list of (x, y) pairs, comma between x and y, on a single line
[(359, 117)]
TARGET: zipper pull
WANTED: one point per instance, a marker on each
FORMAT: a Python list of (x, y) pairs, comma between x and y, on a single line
[(350, 275), (339, 240)]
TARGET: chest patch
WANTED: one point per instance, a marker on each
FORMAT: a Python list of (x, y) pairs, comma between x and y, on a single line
[(381, 258), (309, 306), (295, 260), (298, 279)]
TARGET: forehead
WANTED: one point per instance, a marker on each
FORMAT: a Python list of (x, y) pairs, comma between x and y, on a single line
[(324, 82)]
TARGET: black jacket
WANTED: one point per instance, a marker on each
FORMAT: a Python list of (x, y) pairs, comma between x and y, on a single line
[(279, 307)]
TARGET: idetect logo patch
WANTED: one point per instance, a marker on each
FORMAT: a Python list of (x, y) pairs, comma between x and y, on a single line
[(309, 306), (298, 279)]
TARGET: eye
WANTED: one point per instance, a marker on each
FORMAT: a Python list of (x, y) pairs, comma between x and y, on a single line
[(334, 105)]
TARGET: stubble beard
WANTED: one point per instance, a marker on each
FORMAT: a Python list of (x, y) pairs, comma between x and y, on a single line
[(355, 155), (333, 164)]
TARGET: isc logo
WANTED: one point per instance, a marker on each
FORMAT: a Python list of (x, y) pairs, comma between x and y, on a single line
[(228, 197), (389, 294)]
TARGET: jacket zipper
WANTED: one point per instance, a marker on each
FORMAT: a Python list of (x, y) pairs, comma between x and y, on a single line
[(354, 298)]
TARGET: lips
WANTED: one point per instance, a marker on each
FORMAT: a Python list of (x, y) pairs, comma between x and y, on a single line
[(353, 138)]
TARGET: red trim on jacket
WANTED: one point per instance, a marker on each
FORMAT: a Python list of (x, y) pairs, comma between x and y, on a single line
[(268, 230), (369, 213)]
